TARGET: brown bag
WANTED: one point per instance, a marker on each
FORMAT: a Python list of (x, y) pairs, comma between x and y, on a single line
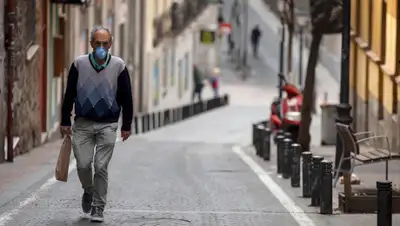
[(62, 166)]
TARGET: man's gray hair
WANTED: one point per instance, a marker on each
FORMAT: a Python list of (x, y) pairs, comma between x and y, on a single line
[(99, 28)]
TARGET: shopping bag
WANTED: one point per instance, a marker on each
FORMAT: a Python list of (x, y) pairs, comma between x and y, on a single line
[(63, 160)]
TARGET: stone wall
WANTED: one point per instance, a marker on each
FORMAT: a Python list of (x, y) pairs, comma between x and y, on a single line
[(27, 79)]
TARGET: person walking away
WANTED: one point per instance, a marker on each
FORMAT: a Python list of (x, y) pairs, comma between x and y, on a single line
[(215, 86), (255, 39), (99, 85), (231, 44), (198, 84)]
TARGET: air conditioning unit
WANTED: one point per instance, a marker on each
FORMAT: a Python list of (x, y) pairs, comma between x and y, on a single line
[(70, 2)]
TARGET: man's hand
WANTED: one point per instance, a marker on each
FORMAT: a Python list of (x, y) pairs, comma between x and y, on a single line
[(66, 130), (125, 135)]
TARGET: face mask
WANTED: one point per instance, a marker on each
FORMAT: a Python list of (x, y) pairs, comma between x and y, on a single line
[(100, 53)]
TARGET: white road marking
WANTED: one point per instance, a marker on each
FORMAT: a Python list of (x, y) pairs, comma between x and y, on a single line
[(297, 213), (9, 215), (143, 211)]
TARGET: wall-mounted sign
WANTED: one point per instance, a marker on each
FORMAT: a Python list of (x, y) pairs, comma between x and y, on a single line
[(207, 36)]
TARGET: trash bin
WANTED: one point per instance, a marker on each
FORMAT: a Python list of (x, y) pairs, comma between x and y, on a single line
[(328, 128)]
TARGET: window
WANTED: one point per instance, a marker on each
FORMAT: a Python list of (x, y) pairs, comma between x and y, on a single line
[(122, 40), (364, 21), (172, 65), (180, 72), (391, 36), (97, 13), (186, 71), (30, 22), (354, 15), (156, 83), (165, 70), (376, 29)]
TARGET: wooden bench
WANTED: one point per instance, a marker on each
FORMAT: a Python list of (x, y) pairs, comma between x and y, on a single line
[(368, 154)]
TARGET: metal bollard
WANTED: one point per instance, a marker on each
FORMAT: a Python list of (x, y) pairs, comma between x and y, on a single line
[(153, 119), (326, 188), (254, 126), (279, 141), (144, 123), (306, 169), (279, 132), (136, 121), (259, 141), (384, 203), (160, 122), (316, 180), (287, 142), (287, 135), (266, 152), (295, 169)]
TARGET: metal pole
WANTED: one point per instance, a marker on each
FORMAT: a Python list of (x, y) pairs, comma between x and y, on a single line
[(301, 57), (10, 78), (281, 58), (344, 79), (245, 33), (384, 203)]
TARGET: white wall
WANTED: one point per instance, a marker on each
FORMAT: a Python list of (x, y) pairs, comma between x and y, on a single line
[(169, 96)]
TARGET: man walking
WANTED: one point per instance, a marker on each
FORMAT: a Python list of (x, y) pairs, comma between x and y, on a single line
[(255, 39), (99, 85)]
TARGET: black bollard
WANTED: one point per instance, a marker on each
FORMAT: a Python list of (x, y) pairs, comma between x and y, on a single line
[(279, 132), (287, 135), (266, 152), (326, 188), (160, 122), (295, 169), (144, 123), (135, 120), (316, 180), (153, 120), (279, 151), (259, 140), (254, 126), (384, 203), (286, 166), (306, 169)]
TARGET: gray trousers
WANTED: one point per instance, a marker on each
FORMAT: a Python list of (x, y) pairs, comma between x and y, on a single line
[(88, 136)]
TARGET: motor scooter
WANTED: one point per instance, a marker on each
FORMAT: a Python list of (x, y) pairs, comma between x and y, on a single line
[(286, 112)]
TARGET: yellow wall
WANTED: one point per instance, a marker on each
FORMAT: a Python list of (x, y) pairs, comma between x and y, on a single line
[(374, 50)]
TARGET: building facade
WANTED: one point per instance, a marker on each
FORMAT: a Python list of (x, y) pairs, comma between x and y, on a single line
[(374, 71), (156, 40)]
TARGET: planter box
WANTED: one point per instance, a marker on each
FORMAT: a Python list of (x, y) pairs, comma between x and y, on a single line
[(365, 202)]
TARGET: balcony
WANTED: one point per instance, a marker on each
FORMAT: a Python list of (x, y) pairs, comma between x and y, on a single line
[(173, 22)]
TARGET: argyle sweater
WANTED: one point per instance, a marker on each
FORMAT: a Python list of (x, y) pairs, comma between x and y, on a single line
[(98, 94)]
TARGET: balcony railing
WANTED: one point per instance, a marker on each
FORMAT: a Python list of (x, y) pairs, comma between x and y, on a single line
[(177, 19)]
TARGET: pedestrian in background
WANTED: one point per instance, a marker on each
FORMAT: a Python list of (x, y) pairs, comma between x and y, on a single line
[(198, 84), (99, 85), (255, 40)]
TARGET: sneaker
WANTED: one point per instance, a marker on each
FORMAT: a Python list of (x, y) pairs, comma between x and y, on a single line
[(97, 215), (86, 202)]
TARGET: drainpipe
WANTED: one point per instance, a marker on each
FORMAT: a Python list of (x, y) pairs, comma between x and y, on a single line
[(10, 78)]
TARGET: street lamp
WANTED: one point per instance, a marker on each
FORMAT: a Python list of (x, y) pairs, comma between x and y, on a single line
[(302, 23), (281, 8)]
